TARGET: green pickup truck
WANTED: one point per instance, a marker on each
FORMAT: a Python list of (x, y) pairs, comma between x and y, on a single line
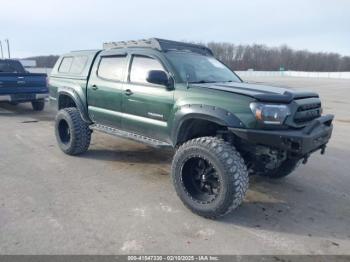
[(176, 95)]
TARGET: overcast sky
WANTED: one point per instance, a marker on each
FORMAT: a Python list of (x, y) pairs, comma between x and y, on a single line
[(42, 27)]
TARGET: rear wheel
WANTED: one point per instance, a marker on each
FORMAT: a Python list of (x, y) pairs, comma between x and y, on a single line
[(209, 176), (72, 133), (38, 105)]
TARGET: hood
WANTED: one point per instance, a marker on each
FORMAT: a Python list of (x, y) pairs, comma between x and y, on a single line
[(263, 93)]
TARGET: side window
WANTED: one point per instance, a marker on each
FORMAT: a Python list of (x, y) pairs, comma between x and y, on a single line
[(11, 67), (65, 65), (111, 67), (78, 64), (140, 67)]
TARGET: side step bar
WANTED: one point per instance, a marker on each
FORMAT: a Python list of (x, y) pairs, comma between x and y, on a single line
[(132, 136)]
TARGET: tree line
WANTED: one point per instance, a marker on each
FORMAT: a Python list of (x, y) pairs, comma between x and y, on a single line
[(259, 57), (45, 61)]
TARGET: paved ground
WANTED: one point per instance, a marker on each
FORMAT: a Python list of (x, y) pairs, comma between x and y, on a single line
[(118, 198)]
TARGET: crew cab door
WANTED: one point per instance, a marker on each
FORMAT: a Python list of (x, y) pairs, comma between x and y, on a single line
[(105, 88), (146, 106)]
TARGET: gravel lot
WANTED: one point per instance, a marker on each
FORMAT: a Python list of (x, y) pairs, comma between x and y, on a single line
[(118, 198)]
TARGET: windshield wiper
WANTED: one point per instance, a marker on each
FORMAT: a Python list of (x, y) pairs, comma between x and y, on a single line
[(228, 81), (201, 82)]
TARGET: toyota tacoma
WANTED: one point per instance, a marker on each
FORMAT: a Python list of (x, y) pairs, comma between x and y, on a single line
[(176, 95)]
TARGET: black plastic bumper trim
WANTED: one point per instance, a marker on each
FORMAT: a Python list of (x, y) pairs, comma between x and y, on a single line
[(299, 142)]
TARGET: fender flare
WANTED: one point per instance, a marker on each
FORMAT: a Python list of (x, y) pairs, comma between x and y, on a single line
[(204, 112), (68, 91)]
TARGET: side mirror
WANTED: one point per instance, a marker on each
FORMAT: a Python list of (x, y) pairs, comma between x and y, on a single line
[(158, 77)]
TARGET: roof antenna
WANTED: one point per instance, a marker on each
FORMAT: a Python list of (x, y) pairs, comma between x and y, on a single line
[(2, 51), (187, 82), (8, 47)]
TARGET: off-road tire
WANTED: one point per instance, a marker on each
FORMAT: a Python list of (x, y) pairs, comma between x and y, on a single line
[(38, 105), (285, 169), (78, 139), (230, 169)]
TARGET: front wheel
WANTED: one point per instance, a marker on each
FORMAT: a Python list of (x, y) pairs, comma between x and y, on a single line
[(72, 133), (209, 176), (38, 105)]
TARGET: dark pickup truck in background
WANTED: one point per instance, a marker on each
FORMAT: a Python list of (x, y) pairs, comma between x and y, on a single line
[(18, 85)]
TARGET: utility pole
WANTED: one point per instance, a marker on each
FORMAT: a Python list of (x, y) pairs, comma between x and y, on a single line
[(2, 52), (8, 47)]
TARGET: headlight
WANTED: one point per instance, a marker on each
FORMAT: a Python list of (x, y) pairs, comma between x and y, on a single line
[(270, 114)]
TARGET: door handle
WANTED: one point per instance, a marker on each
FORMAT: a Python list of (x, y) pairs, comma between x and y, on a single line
[(128, 92), (94, 87)]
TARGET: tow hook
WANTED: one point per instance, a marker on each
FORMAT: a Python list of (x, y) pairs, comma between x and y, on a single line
[(306, 158), (323, 150)]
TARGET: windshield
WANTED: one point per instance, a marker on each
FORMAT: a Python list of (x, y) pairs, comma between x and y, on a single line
[(196, 68)]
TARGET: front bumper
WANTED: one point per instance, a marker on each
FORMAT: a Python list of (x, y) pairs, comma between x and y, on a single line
[(299, 142), (23, 97)]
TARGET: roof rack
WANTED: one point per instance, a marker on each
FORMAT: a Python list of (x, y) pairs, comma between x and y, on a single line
[(160, 44)]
